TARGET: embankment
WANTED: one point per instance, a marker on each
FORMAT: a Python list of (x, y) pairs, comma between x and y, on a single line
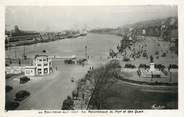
[(103, 89)]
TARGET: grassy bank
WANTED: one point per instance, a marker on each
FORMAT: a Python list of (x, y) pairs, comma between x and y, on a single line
[(108, 91)]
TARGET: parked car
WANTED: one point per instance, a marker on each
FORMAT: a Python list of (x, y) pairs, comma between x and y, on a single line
[(11, 105), (81, 61), (8, 88), (24, 79), (159, 66), (129, 66), (69, 61), (173, 66), (144, 66), (21, 95)]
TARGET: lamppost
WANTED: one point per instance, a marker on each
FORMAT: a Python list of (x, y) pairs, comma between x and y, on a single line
[(151, 76), (170, 76), (86, 51)]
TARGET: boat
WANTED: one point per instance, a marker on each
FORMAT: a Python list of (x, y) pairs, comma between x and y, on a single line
[(83, 33)]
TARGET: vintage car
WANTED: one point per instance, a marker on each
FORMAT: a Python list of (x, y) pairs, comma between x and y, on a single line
[(11, 105), (24, 79), (21, 95)]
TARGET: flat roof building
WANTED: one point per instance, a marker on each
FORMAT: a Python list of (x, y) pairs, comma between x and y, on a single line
[(30, 70), (43, 64)]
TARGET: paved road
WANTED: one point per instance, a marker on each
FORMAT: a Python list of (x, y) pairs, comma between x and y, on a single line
[(49, 92)]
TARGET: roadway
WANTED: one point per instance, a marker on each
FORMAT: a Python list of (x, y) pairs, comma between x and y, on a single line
[(50, 91)]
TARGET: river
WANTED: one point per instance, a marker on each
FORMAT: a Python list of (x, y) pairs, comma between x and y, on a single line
[(97, 45)]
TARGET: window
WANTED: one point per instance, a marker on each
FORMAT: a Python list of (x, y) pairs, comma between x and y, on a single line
[(45, 70), (44, 60), (39, 71), (45, 64), (39, 59), (39, 64), (27, 72)]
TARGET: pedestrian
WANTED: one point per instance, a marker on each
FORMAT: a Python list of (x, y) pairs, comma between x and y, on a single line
[(19, 62), (72, 79)]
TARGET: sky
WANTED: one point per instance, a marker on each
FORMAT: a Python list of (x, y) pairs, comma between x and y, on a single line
[(58, 18)]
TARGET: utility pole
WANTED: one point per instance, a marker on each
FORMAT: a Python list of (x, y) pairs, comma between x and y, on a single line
[(15, 51), (170, 80), (24, 54), (86, 52), (151, 76)]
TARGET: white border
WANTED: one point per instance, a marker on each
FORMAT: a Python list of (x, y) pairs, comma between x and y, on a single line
[(150, 113)]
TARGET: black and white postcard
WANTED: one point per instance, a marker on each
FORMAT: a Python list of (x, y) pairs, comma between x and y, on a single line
[(92, 59)]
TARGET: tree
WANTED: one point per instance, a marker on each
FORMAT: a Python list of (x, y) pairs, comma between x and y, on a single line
[(112, 53), (68, 104)]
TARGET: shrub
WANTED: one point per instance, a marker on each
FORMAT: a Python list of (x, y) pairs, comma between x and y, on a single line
[(68, 104), (144, 54), (163, 55), (157, 53), (8, 88)]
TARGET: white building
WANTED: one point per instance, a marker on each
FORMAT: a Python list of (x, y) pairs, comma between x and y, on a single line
[(30, 70), (43, 64)]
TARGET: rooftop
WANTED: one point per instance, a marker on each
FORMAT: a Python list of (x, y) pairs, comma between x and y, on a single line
[(30, 67), (41, 55)]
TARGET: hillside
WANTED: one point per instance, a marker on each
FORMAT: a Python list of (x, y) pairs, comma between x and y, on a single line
[(152, 27)]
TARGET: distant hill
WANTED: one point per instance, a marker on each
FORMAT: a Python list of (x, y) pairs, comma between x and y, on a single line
[(153, 27), (114, 31)]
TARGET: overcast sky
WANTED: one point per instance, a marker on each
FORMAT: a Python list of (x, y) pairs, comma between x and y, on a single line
[(52, 18)]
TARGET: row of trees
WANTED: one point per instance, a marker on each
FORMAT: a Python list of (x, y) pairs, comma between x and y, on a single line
[(103, 78)]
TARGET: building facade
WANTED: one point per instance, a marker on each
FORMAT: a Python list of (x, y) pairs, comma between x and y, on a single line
[(43, 64), (30, 71)]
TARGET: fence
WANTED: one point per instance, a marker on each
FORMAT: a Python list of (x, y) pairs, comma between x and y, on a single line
[(14, 69), (18, 61)]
